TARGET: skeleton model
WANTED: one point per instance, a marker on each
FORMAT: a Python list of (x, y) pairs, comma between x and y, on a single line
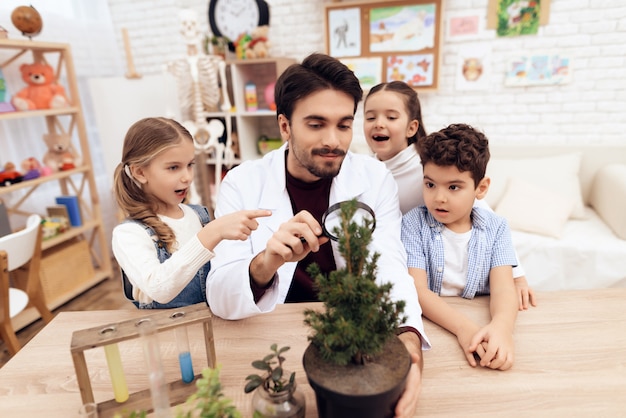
[(199, 92)]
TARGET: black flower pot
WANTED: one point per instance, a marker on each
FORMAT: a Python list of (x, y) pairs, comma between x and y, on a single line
[(360, 391)]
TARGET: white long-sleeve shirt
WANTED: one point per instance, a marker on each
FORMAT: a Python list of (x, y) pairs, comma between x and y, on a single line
[(136, 254), (261, 184)]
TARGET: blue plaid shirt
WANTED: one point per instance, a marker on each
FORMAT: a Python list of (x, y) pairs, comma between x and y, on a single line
[(490, 246)]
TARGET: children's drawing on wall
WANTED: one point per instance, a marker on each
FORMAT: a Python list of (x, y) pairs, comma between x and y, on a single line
[(415, 70), (344, 32), (368, 70), (463, 27), (473, 68), (537, 70), (518, 17), (402, 28)]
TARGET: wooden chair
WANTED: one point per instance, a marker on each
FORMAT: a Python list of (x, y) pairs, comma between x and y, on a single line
[(21, 250)]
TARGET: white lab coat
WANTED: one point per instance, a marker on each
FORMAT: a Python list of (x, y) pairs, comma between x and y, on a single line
[(260, 184)]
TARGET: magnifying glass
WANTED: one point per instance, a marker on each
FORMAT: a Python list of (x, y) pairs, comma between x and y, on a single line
[(331, 219)]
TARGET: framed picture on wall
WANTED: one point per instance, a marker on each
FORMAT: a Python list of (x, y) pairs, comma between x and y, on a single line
[(405, 36), (367, 70), (464, 26), (538, 70)]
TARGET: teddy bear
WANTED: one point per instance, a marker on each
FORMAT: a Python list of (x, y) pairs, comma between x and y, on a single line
[(61, 155), (42, 91), (257, 45)]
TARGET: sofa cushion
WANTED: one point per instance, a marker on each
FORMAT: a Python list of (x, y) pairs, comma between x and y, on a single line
[(559, 174), (608, 197), (534, 209), (587, 256)]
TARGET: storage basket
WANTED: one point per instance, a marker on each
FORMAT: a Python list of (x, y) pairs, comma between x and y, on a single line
[(64, 268)]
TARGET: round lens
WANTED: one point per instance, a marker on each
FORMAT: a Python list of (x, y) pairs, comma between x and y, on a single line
[(331, 220)]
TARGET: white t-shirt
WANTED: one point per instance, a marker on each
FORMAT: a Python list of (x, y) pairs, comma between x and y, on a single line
[(455, 248), (406, 168)]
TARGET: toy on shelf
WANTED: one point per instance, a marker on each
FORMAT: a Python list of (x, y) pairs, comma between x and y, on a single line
[(255, 44), (61, 154), (251, 98), (42, 90), (5, 105), (266, 144), (31, 168), (269, 96), (53, 226), (10, 175), (67, 161)]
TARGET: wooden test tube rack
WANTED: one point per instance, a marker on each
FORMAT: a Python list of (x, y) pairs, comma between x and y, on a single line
[(164, 320)]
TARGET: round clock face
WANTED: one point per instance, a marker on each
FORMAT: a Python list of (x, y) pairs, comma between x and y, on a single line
[(234, 17)]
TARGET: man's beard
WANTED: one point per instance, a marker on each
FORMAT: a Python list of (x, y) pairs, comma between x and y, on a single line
[(326, 170)]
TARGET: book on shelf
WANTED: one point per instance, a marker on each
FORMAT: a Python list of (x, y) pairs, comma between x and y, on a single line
[(58, 212), (73, 209)]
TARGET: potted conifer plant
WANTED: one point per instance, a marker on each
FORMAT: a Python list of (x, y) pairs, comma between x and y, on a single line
[(355, 363)]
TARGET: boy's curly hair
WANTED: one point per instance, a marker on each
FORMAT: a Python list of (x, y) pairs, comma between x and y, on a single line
[(459, 145)]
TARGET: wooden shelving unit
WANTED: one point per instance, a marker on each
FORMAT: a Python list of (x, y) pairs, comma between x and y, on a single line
[(79, 182), (250, 125)]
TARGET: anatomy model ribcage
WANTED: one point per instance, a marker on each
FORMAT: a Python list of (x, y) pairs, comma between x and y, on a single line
[(201, 82)]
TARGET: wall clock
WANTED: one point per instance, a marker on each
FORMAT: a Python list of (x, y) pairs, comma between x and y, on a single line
[(231, 18)]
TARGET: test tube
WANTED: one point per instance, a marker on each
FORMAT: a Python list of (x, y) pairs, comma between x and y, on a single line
[(118, 380), (184, 356), (156, 376)]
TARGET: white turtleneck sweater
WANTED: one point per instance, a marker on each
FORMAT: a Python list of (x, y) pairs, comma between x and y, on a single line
[(406, 168)]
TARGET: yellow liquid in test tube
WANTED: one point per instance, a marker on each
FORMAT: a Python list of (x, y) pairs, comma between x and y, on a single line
[(118, 380)]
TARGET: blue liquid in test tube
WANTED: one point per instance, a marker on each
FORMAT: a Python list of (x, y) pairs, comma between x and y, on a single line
[(186, 368), (184, 356)]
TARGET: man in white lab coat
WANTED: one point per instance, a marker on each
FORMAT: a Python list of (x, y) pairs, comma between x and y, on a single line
[(316, 102)]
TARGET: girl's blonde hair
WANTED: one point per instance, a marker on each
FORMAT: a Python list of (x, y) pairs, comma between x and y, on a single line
[(144, 140)]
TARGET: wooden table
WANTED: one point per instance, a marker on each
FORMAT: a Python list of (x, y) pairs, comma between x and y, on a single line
[(570, 361)]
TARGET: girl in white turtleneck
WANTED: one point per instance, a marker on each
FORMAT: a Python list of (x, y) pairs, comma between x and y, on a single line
[(393, 124)]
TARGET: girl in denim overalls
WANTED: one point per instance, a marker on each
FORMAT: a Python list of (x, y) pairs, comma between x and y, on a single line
[(164, 246)]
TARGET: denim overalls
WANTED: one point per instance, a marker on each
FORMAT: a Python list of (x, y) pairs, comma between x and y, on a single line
[(194, 292)]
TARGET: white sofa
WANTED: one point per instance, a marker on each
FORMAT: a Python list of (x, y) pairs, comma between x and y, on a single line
[(567, 209)]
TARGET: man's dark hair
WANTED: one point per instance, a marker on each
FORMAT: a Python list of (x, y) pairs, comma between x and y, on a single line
[(317, 72), (459, 145)]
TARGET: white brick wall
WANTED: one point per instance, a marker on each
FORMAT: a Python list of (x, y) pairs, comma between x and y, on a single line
[(592, 33)]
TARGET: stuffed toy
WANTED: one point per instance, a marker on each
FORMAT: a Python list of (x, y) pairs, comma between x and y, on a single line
[(259, 45), (68, 162), (241, 45), (31, 168), (42, 91), (10, 175), (61, 154), (254, 44)]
